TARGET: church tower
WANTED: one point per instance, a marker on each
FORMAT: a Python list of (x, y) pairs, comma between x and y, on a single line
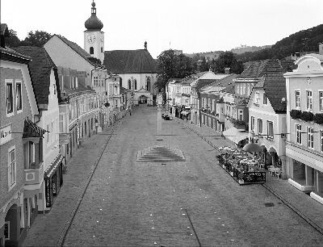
[(93, 36)]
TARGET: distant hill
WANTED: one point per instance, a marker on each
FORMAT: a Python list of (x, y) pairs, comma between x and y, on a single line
[(245, 48), (304, 41), (208, 55)]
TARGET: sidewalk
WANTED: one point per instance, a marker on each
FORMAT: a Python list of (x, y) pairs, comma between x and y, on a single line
[(301, 203), (48, 229)]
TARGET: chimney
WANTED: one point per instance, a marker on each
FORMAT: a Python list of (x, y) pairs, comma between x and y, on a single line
[(145, 45), (226, 71), (321, 48)]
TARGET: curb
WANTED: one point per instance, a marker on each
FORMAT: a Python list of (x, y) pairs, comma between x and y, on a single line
[(299, 213)]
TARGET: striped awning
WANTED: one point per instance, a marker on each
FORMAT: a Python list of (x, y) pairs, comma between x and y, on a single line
[(53, 166)]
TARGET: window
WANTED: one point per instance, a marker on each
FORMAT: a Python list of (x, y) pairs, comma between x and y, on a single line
[(299, 133), (270, 129), (259, 126), (297, 99), (7, 230), (264, 100), (309, 100), (9, 97), (321, 100), (47, 128), (310, 137), (61, 123), (11, 168), (96, 81), (148, 84), (257, 98), (54, 87), (129, 84), (252, 123), (18, 96), (135, 84), (91, 50), (321, 140)]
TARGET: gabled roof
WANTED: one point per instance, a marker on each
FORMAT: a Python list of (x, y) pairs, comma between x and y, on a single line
[(75, 47), (202, 82), (129, 61), (254, 70), (221, 83), (274, 85), (40, 69), (7, 53)]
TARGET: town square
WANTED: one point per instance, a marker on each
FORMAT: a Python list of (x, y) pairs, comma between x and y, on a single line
[(111, 143)]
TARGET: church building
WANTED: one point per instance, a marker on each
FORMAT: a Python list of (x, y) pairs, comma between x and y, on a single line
[(136, 68)]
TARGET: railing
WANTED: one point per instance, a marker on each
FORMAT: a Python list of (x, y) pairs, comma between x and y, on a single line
[(34, 175)]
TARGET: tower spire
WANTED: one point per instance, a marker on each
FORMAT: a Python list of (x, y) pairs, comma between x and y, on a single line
[(93, 9)]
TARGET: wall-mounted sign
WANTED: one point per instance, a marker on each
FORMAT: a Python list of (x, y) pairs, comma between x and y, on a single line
[(5, 134)]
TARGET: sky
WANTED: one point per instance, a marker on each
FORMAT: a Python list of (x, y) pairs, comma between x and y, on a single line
[(187, 25)]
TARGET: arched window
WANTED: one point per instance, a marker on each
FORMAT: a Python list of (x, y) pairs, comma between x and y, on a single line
[(129, 84), (135, 84), (120, 82), (148, 84), (91, 50)]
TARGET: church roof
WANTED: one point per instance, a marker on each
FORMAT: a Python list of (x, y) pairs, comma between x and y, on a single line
[(40, 69), (129, 61)]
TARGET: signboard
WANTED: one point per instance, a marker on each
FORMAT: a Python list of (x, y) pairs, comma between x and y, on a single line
[(48, 192), (5, 134)]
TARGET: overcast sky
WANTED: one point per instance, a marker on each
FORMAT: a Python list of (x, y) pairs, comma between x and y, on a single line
[(191, 26)]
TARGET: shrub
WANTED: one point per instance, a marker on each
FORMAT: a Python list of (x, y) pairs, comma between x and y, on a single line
[(318, 118), (295, 114), (307, 116)]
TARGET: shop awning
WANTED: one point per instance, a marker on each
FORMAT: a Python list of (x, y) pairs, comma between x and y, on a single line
[(53, 166), (235, 135)]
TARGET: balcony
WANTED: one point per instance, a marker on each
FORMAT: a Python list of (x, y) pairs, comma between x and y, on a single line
[(35, 174)]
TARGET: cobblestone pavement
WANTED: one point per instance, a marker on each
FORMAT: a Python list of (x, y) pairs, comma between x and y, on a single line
[(191, 203)]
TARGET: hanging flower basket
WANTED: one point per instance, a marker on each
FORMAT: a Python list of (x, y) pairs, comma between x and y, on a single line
[(318, 118), (307, 116), (295, 114)]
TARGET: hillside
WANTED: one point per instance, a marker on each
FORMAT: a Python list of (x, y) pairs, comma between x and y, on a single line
[(245, 48), (303, 41)]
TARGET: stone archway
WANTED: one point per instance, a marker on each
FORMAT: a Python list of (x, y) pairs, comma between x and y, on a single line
[(143, 99), (275, 160), (12, 226)]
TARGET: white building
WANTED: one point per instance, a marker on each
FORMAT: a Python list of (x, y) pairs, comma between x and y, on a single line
[(304, 147)]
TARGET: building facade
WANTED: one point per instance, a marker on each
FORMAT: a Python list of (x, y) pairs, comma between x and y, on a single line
[(304, 148), (18, 114)]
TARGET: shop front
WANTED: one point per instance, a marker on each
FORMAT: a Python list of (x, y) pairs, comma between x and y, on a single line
[(53, 180)]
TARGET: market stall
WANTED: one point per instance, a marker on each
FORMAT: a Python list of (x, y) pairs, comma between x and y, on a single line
[(243, 167)]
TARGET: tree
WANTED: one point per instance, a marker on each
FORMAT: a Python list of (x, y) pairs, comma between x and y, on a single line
[(170, 65), (39, 38), (12, 40), (227, 60)]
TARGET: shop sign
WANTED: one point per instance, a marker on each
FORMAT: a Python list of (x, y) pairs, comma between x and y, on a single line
[(5, 134), (48, 193)]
